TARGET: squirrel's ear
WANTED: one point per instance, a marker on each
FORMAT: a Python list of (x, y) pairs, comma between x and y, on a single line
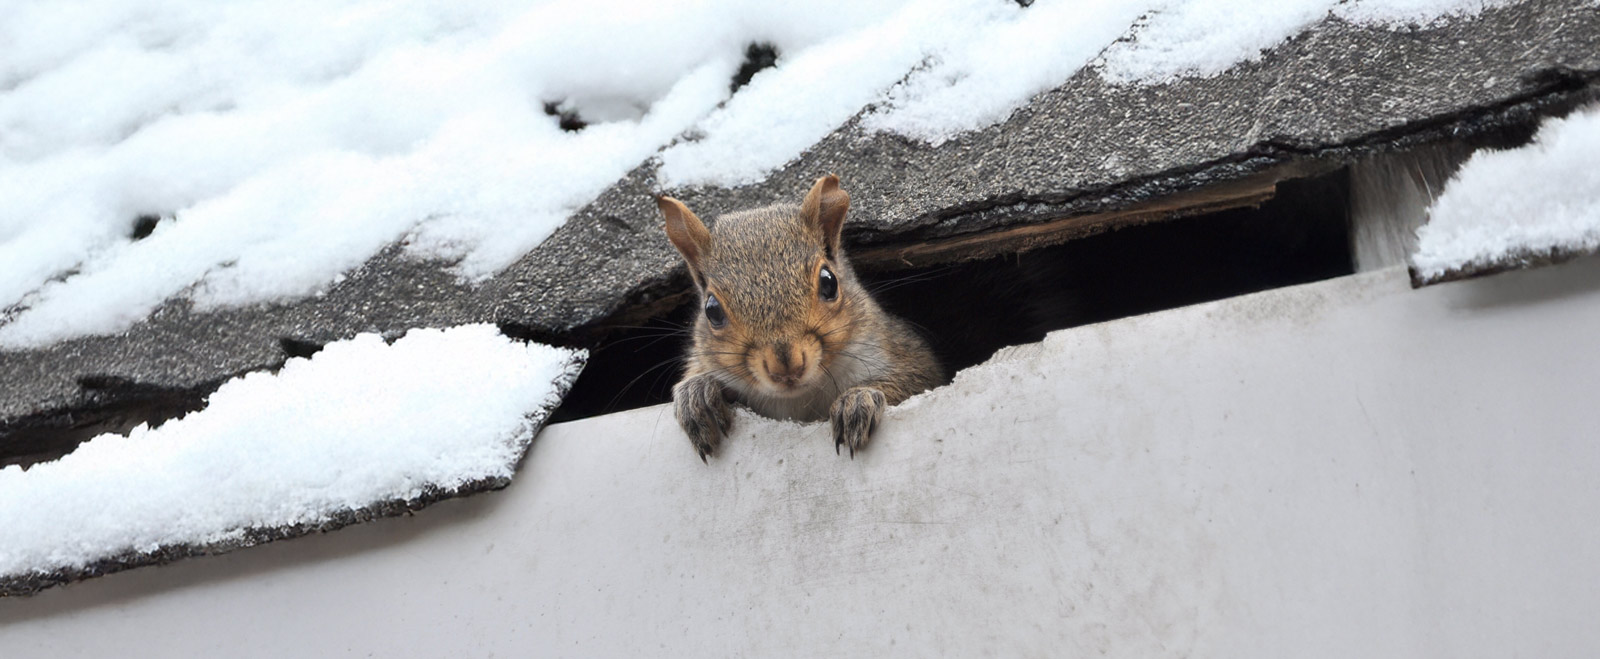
[(824, 209), (686, 232)]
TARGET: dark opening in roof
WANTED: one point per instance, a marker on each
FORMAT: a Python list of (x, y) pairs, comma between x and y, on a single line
[(970, 310)]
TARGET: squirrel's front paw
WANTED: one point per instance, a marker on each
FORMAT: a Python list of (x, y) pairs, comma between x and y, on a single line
[(855, 415), (702, 412)]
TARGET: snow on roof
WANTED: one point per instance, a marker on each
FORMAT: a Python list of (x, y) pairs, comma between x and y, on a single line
[(288, 147), (361, 429), (419, 132), (1507, 209)]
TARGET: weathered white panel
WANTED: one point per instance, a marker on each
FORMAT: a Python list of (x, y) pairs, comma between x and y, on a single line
[(1349, 468)]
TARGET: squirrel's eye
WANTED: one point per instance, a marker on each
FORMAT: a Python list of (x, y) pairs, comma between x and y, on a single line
[(827, 285), (714, 312)]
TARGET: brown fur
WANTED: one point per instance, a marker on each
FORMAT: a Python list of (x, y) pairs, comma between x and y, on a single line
[(784, 351)]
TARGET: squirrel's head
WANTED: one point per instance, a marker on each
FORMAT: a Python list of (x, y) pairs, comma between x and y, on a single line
[(778, 302)]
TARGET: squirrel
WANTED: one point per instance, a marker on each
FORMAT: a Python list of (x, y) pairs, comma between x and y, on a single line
[(785, 326)]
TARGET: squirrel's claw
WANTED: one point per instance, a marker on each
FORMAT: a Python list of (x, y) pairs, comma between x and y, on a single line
[(703, 413), (704, 438), (855, 415)]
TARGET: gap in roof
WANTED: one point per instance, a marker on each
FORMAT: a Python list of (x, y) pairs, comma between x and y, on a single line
[(969, 310)]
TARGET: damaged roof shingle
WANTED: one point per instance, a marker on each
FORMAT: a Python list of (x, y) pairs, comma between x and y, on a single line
[(1089, 146)]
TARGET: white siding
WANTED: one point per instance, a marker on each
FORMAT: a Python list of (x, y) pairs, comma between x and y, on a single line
[(1344, 469)]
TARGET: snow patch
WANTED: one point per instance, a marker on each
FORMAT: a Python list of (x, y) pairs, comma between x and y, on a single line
[(992, 66), (359, 423), (1414, 13), (1198, 38), (1507, 205), (790, 107)]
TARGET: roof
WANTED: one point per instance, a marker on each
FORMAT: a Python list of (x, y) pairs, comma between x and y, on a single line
[(1085, 156)]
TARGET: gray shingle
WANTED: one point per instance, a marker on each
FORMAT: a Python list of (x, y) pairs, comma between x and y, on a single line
[(1319, 100)]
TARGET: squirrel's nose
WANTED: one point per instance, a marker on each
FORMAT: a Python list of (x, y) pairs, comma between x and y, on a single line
[(788, 365)]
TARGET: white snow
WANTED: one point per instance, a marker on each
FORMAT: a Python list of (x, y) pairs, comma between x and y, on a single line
[(988, 68), (1508, 204), (1413, 13), (1205, 37), (359, 422), (287, 142)]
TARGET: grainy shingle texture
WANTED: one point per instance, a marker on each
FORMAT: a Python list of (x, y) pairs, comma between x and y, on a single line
[(1332, 94)]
